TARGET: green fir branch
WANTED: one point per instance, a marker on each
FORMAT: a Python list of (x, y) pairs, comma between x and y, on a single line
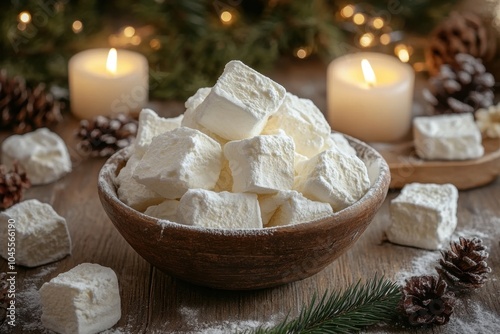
[(360, 305)]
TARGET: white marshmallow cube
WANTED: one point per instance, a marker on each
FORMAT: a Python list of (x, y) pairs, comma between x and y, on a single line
[(240, 103), (447, 137), (337, 140), (423, 215), (151, 125), (262, 164), (165, 210), (303, 122), (333, 177), (84, 300), (222, 210), (41, 234), (131, 192), (190, 115), (291, 207), (178, 160), (42, 154)]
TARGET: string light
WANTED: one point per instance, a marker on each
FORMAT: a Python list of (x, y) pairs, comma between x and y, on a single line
[(419, 67), (77, 26), (128, 31), (226, 17), (366, 39), (359, 18), (155, 44), (135, 40), (378, 23), (347, 11), (24, 17), (385, 39), (301, 53), (21, 26), (403, 52)]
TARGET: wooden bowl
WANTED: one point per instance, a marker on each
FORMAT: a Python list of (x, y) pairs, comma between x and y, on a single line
[(247, 258)]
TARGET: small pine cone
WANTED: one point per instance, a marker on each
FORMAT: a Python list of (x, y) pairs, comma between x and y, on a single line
[(464, 267), (103, 136), (460, 33), (12, 186), (426, 301), (24, 108), (4, 286), (462, 88)]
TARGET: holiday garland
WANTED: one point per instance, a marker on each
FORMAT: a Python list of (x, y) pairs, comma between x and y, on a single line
[(188, 42)]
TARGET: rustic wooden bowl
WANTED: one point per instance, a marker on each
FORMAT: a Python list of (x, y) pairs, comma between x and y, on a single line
[(248, 258)]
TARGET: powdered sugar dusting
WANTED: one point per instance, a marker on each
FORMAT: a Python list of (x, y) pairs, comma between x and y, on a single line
[(479, 321), (29, 307), (421, 265)]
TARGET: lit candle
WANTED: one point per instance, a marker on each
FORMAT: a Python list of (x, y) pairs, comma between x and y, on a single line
[(370, 96), (103, 82)]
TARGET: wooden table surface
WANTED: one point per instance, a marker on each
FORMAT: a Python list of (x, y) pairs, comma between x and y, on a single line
[(153, 302)]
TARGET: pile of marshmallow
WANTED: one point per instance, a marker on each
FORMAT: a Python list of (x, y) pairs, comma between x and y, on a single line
[(245, 154)]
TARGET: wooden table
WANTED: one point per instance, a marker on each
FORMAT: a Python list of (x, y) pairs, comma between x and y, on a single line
[(153, 302)]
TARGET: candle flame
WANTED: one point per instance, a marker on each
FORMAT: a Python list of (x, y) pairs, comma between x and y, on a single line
[(368, 73), (111, 62)]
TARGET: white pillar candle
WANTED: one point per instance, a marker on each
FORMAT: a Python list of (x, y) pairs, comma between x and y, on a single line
[(373, 110), (99, 85)]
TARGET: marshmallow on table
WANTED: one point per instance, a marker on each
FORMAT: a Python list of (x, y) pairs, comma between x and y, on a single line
[(303, 122), (291, 207), (41, 153), (223, 210), (131, 192), (262, 164), (240, 103), (41, 234), (447, 137), (423, 215), (333, 177), (165, 210), (178, 160), (151, 125), (84, 300)]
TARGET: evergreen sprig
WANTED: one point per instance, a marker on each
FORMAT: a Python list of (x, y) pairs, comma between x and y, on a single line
[(360, 305)]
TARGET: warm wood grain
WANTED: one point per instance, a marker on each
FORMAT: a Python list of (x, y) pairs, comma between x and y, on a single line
[(406, 167), (153, 302)]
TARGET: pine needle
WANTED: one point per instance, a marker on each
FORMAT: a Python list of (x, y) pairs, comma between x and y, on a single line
[(360, 305)]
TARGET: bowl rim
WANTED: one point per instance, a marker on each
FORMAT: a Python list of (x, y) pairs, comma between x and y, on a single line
[(108, 189)]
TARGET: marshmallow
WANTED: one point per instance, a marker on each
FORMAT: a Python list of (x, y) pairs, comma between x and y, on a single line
[(301, 120), (151, 125), (447, 137), (84, 300), (262, 164), (178, 160), (225, 181), (337, 140), (290, 207), (190, 115), (423, 215), (41, 153), (165, 210), (240, 103), (41, 235), (223, 210), (131, 192), (333, 177)]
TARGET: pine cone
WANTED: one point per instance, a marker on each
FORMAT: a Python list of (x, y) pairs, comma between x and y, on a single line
[(461, 88), (24, 108), (460, 33), (103, 136), (426, 301), (12, 186), (4, 286), (464, 267)]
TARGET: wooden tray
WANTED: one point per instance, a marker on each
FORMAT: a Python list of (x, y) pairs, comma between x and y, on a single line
[(407, 167)]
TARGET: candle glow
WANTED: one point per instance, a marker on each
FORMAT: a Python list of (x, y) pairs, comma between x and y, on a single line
[(368, 74), (112, 61)]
